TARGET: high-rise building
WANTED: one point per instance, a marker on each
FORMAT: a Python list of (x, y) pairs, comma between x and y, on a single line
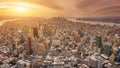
[(35, 32), (41, 29), (98, 41), (117, 56), (94, 63), (38, 48), (29, 46), (107, 50), (39, 25), (22, 39), (77, 37)]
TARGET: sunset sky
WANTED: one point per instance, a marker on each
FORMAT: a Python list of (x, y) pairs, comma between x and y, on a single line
[(80, 8)]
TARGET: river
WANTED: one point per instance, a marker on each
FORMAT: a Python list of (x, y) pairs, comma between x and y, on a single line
[(4, 21)]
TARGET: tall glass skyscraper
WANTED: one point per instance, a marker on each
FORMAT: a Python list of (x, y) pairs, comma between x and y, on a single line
[(107, 50), (117, 56)]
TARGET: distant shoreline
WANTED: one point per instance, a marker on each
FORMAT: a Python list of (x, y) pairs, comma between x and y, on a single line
[(93, 22)]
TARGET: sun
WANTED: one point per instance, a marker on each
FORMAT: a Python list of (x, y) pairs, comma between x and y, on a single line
[(21, 9)]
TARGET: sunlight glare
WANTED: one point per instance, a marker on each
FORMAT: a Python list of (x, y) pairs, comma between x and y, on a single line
[(21, 9)]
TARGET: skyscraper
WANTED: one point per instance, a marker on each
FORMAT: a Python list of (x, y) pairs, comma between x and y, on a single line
[(117, 56), (39, 24), (41, 29), (98, 44), (107, 50), (98, 41), (35, 32), (29, 46), (22, 39)]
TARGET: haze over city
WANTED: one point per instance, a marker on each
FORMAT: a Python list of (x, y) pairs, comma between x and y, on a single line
[(59, 34)]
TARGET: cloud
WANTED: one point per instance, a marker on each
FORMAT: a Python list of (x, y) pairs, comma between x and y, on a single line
[(12, 4), (79, 7), (99, 7), (48, 3)]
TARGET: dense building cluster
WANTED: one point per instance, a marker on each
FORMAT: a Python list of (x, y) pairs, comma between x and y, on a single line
[(58, 43)]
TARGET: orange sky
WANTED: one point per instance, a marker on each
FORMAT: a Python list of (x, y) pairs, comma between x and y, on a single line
[(60, 7)]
